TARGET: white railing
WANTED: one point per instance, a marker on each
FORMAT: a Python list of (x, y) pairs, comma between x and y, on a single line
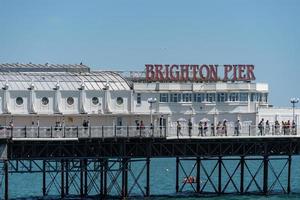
[(144, 132)]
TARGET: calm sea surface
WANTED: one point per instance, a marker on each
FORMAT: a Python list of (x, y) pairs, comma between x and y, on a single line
[(29, 186)]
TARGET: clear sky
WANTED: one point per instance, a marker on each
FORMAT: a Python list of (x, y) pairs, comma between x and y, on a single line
[(125, 35)]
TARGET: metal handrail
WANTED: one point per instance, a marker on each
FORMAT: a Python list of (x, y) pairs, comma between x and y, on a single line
[(144, 132)]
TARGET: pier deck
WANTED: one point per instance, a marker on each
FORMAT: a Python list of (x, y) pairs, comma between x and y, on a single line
[(93, 157)]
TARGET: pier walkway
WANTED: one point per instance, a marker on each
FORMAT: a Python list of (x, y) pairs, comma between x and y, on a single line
[(103, 161)]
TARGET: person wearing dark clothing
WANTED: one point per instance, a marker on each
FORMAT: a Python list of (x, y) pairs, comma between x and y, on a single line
[(212, 129), (190, 125), (261, 126)]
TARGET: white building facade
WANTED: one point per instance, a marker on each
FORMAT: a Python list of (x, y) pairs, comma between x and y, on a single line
[(42, 95)]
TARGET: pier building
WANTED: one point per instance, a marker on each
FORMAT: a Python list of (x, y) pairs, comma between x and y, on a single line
[(83, 130)]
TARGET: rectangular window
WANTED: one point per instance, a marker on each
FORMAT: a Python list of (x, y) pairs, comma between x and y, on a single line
[(222, 97), (211, 97), (175, 97), (138, 98), (186, 97), (243, 96), (163, 97), (198, 97), (233, 97), (253, 97)]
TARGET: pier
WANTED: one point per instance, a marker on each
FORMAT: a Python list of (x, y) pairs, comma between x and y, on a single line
[(98, 161)]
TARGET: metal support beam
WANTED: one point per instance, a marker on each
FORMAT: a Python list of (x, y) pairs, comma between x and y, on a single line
[(101, 177), (67, 177), (148, 177), (289, 174), (198, 175), (81, 178), (220, 175), (105, 178), (266, 171), (85, 177), (177, 175), (242, 164), (124, 177), (6, 179), (62, 184), (44, 178)]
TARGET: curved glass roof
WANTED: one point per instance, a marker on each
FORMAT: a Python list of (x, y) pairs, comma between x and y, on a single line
[(44, 80)]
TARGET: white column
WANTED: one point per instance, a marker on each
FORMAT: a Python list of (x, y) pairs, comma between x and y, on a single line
[(82, 109), (57, 99), (6, 99), (31, 99)]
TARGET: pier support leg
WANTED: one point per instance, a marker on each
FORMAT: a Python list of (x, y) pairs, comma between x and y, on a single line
[(67, 177), (266, 171), (124, 177), (101, 177), (242, 164), (198, 175), (220, 175), (148, 177), (6, 179), (44, 178), (289, 174), (81, 178), (177, 175), (62, 184), (105, 178), (85, 163)]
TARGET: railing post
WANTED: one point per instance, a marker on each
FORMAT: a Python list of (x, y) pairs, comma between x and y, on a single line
[(102, 129), (77, 132), (115, 130), (12, 132), (152, 129), (249, 130), (51, 132), (64, 131), (90, 131), (140, 131), (38, 132), (127, 129), (25, 132)]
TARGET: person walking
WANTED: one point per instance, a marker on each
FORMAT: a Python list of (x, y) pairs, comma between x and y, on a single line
[(261, 126), (237, 127), (190, 126), (294, 130), (267, 129), (200, 129), (224, 127), (212, 129), (205, 128), (178, 129)]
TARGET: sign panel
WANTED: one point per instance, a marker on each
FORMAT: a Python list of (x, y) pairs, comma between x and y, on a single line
[(204, 72)]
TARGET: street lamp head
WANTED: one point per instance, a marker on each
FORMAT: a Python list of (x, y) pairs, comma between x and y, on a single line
[(294, 100), (152, 100)]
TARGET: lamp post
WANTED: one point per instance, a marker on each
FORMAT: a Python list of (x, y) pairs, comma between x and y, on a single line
[(294, 101), (151, 101)]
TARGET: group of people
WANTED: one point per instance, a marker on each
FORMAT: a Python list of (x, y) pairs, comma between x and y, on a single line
[(203, 127), (285, 128)]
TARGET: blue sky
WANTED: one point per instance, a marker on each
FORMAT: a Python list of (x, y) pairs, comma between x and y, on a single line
[(125, 35)]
